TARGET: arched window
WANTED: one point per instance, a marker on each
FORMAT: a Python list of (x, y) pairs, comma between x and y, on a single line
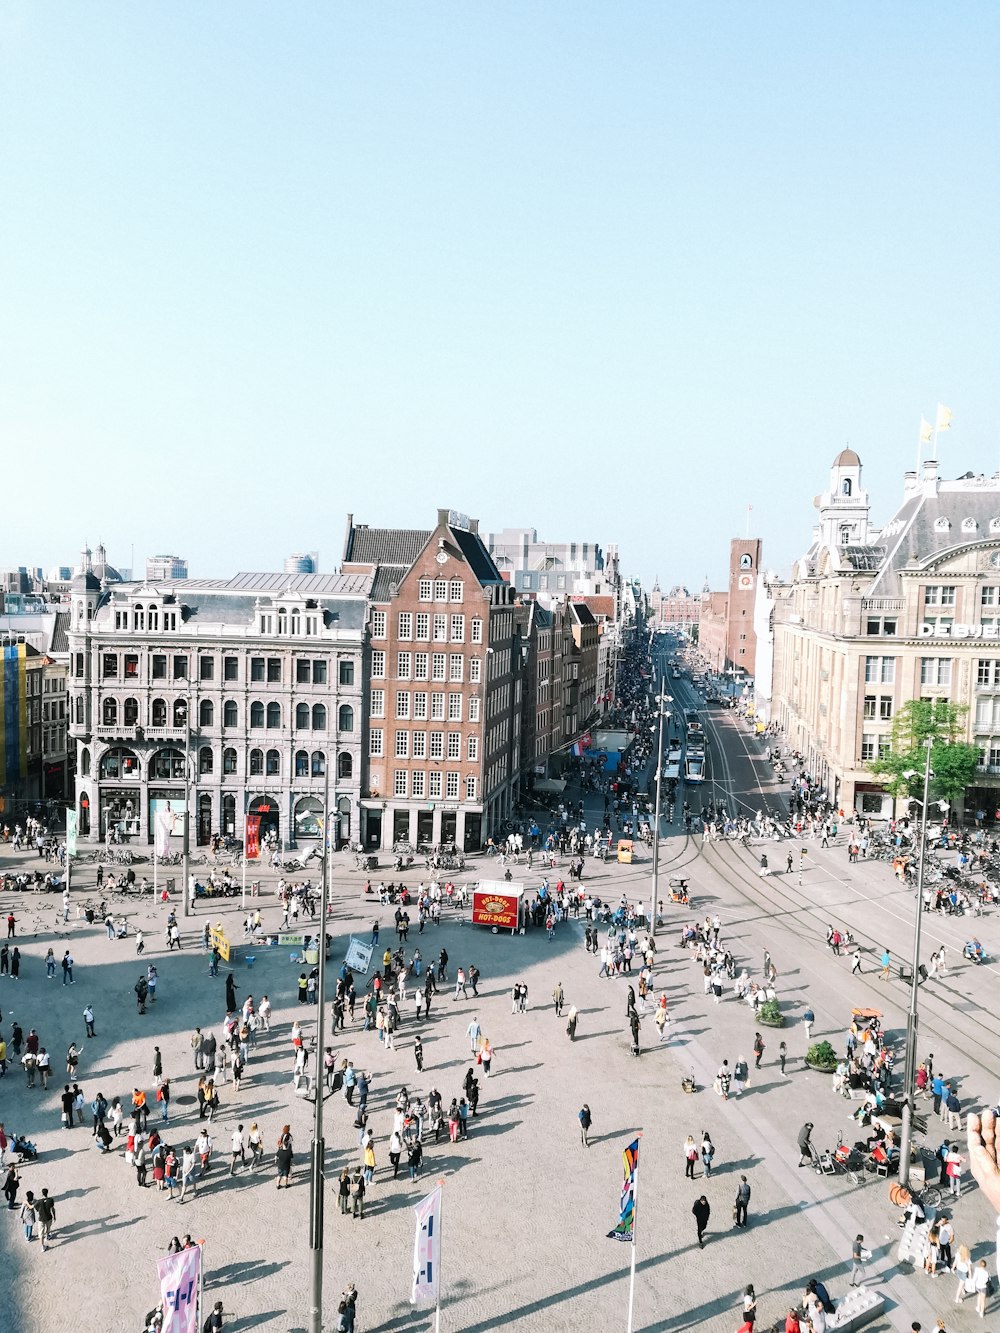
[(273, 763), (319, 717), (180, 712), (154, 618), (140, 617), (119, 763), (282, 620), (301, 764), (296, 623), (345, 765), (318, 763), (206, 713), (205, 760), (229, 760), (131, 712), (229, 813), (84, 828), (85, 760), (845, 486), (345, 718), (230, 713), (256, 762), (158, 713), (109, 712), (301, 717), (167, 764), (256, 714), (273, 715)]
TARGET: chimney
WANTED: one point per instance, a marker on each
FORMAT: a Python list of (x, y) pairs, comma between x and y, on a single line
[(474, 525), (443, 517), (930, 476)]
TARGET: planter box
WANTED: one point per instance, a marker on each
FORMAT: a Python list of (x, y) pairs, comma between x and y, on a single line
[(822, 1069)]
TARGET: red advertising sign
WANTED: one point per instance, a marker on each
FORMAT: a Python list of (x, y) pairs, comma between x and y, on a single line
[(494, 909), (253, 837)]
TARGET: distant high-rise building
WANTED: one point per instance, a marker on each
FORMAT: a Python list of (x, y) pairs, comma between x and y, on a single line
[(302, 563), (163, 567)]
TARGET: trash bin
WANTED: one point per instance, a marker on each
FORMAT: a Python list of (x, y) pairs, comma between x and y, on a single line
[(311, 955)]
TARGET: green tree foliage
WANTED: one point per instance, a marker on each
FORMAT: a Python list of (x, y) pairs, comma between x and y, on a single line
[(953, 760)]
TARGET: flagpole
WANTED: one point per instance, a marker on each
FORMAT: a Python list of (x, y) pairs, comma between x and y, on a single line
[(635, 1223), (437, 1298)]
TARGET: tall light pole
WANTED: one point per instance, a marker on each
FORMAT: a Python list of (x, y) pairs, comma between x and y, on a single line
[(910, 1064), (187, 807), (318, 1151), (661, 699)]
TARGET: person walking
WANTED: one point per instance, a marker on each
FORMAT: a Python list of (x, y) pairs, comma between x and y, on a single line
[(558, 999), (418, 1053), (707, 1152), (45, 1208), (88, 1019), (474, 1032), (701, 1212), (586, 1121), (886, 961), (758, 1049), (782, 1057), (67, 969), (859, 1258), (690, 1157), (742, 1203), (29, 1216), (808, 1019)]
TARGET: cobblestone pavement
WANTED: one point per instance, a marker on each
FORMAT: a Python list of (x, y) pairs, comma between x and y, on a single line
[(526, 1206)]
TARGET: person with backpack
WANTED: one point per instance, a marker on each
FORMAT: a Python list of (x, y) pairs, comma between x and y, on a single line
[(214, 1321), (586, 1121), (45, 1210)]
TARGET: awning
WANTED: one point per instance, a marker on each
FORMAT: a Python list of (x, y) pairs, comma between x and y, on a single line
[(611, 740), (556, 785)]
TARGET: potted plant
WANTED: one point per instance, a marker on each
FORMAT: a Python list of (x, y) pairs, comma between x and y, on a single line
[(822, 1057), (769, 1013)]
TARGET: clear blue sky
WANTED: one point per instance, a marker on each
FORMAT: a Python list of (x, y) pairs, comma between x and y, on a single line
[(611, 270)]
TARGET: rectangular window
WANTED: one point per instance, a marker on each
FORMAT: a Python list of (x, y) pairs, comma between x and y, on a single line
[(376, 703), (132, 666), (458, 629), (417, 784), (456, 666), (476, 635), (472, 749), (440, 629), (439, 665), (402, 745), (437, 744), (475, 669), (180, 666), (939, 595), (989, 671), (935, 671), (868, 741), (378, 664), (206, 668), (889, 626), (874, 625), (885, 709), (404, 625), (421, 666), (303, 672), (440, 590), (870, 705), (456, 590), (274, 670), (346, 670), (471, 784), (989, 597), (230, 668), (420, 705), (434, 786), (451, 786), (109, 665), (159, 666), (378, 624), (474, 705), (400, 782), (884, 746), (423, 625), (319, 672), (375, 742), (402, 704), (256, 668), (420, 745), (437, 707), (404, 666), (454, 707), (425, 590), (454, 745), (881, 670)]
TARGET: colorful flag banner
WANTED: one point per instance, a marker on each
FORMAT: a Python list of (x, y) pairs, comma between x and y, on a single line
[(944, 418), (427, 1249), (626, 1221), (252, 847), (71, 827), (179, 1275)]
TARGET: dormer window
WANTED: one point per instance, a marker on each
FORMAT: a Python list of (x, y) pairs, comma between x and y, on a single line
[(282, 621), (995, 525), (845, 536), (154, 617), (845, 486), (941, 525), (969, 525), (140, 617), (296, 624)]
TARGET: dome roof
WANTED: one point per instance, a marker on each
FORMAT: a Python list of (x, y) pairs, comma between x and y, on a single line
[(847, 458)]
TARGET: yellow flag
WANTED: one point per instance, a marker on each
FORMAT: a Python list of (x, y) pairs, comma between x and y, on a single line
[(926, 430), (943, 419)]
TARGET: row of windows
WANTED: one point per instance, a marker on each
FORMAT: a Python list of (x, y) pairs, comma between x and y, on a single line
[(428, 666), (435, 745), (168, 764), (143, 618), (307, 670), (292, 622), (439, 628), (261, 715), (421, 785), (423, 706)]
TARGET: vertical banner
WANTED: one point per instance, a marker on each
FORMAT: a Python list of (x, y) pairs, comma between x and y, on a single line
[(252, 844), (70, 831), (427, 1249), (626, 1220), (179, 1277)]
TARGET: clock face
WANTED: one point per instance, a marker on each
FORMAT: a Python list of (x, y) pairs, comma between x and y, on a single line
[(995, 559), (442, 557)]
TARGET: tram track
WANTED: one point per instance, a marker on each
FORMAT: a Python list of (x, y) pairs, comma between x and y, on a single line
[(965, 1028)]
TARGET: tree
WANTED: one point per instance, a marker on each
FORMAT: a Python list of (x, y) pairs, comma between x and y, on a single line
[(953, 760)]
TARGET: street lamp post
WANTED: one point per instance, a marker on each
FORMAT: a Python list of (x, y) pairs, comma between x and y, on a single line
[(910, 1063), (318, 1152), (661, 699), (187, 807)]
